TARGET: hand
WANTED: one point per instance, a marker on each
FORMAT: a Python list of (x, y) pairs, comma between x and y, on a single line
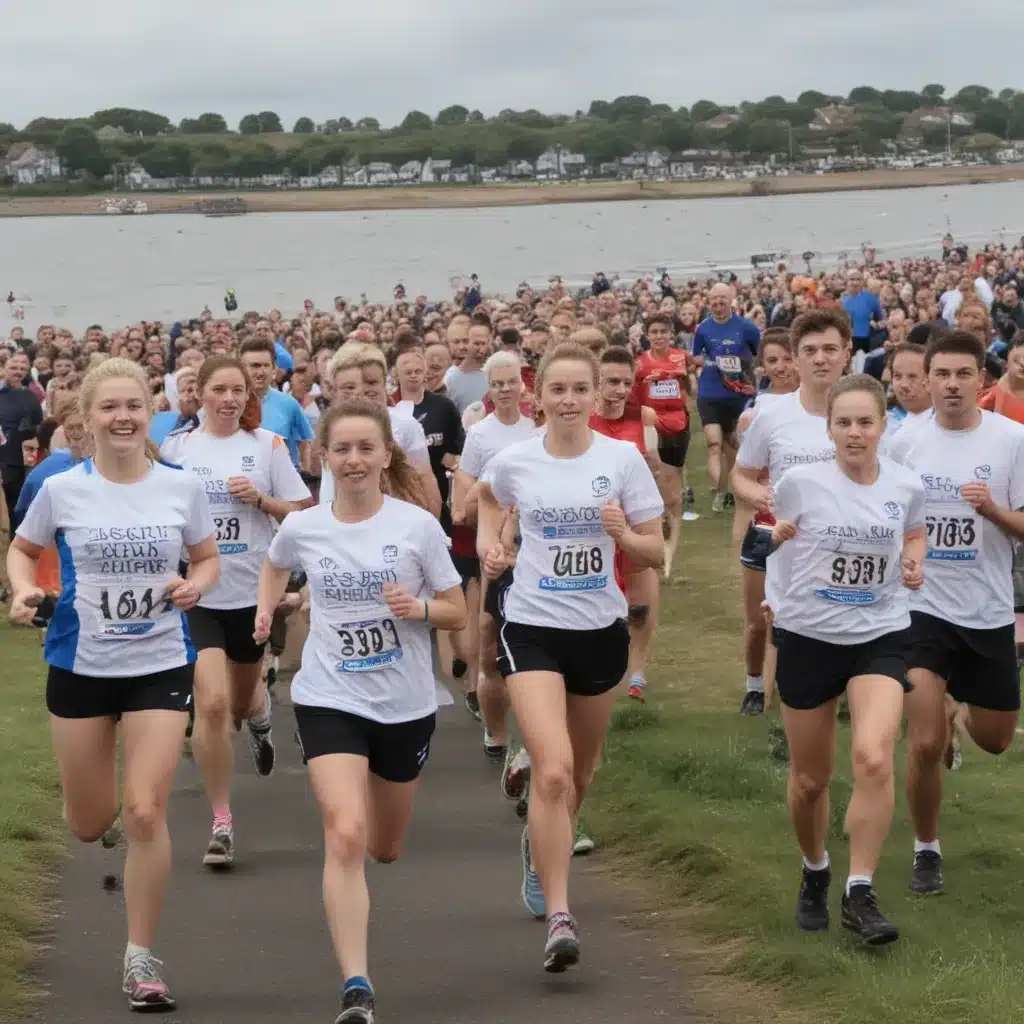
[(243, 489), (979, 497), (261, 627), (495, 562), (765, 501), (184, 594), (913, 574), (401, 603), (783, 531), (613, 519), (769, 615), (24, 605)]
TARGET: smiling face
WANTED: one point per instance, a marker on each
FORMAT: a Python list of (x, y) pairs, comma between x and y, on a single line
[(855, 425), (119, 416), (780, 367), (568, 394), (356, 455)]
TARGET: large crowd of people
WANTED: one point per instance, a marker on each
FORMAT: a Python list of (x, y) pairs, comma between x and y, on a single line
[(487, 494)]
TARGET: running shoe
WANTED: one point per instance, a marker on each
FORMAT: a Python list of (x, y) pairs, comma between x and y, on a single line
[(862, 916), (730, 501), (562, 950), (473, 705), (356, 1007), (532, 893), (495, 751), (272, 671), (261, 745), (221, 851), (926, 879), (753, 703), (955, 753), (718, 502), (515, 773), (143, 985), (582, 844), (112, 836), (523, 803), (812, 903), (636, 690)]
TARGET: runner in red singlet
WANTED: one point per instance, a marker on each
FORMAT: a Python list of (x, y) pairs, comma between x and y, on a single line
[(614, 416), (663, 379)]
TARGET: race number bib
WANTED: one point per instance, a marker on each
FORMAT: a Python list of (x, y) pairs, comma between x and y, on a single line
[(854, 578), (367, 645), (130, 612), (729, 364), (576, 566), (953, 538), (665, 389), (232, 528)]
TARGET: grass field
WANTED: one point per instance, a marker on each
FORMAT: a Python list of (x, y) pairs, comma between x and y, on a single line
[(31, 831), (691, 802)]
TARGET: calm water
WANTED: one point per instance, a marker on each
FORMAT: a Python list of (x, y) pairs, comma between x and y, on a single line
[(112, 270)]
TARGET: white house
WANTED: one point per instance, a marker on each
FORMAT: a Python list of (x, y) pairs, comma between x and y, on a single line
[(410, 171), (29, 164), (435, 170)]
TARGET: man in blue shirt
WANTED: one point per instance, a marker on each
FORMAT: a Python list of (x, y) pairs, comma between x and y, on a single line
[(165, 423), (281, 413), (725, 346), (865, 312)]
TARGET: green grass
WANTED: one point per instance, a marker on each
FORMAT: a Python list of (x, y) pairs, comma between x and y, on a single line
[(690, 799), (31, 831)]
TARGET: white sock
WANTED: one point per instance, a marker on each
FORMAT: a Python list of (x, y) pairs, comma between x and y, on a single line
[(755, 684), (920, 847), (820, 866), (132, 950), (857, 880)]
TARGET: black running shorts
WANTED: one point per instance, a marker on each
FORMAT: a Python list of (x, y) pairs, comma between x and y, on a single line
[(69, 695), (756, 547), (497, 592), (672, 448), (723, 412), (468, 568), (228, 630)]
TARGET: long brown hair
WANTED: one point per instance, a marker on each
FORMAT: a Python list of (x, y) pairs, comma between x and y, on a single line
[(252, 414), (400, 479)]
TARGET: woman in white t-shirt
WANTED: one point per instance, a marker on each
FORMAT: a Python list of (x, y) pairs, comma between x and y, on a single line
[(251, 485), (380, 579), (564, 644), (358, 370), (852, 544), (118, 646)]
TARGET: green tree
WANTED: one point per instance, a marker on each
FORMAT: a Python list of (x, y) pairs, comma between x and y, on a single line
[(704, 110), (971, 97), (44, 131), (992, 118), (368, 124), (249, 125), (864, 94), (766, 137), (525, 144), (204, 124), (1006, 95), (982, 142), (254, 159), (452, 117), (304, 126), (813, 99), (901, 101), (674, 132), (79, 150), (630, 108), (476, 117), (492, 152), (134, 122), (601, 109), (932, 94), (269, 122), (170, 158), (606, 142), (416, 120), (1015, 122)]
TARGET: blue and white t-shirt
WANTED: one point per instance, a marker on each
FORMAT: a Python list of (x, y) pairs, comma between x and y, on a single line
[(119, 546), (727, 348)]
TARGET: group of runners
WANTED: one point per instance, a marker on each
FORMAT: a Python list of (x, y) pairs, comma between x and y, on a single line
[(506, 521)]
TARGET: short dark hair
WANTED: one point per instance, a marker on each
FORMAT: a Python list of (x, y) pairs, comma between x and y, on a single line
[(258, 345), (817, 321), (511, 336), (1017, 341), (481, 320), (961, 343), (774, 336), (660, 318), (619, 355), (921, 334), (900, 349)]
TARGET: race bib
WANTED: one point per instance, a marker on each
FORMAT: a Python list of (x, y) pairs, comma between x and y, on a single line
[(665, 389), (367, 645), (953, 538), (854, 578), (729, 364), (129, 612), (233, 533), (576, 566)]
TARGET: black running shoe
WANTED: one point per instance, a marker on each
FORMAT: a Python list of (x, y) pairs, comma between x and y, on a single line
[(473, 705), (926, 879), (730, 501), (862, 916), (753, 703), (459, 668), (812, 903), (356, 1007)]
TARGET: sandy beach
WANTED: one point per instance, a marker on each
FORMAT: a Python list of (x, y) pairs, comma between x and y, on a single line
[(531, 194)]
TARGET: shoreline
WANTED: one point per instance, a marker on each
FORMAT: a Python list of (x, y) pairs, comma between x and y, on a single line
[(419, 197)]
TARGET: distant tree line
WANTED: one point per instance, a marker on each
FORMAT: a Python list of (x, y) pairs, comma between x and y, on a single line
[(205, 146)]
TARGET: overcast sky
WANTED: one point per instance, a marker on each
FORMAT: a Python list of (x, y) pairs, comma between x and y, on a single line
[(333, 58)]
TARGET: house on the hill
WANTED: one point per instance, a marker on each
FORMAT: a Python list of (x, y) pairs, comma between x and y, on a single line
[(29, 164)]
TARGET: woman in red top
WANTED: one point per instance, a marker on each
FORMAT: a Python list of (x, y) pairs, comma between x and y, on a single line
[(614, 416), (663, 380)]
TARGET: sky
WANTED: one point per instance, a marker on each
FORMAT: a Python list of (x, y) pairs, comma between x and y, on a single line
[(332, 58)]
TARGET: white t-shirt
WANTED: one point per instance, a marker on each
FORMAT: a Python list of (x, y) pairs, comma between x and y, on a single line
[(842, 570), (244, 532), (968, 574), (408, 435), (358, 657), (119, 546), (894, 424), (783, 435), (488, 437), (564, 574)]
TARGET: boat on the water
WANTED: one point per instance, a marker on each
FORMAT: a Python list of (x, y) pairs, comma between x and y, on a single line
[(233, 206)]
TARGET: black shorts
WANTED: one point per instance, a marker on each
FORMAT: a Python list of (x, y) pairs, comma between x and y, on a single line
[(723, 412), (861, 344), (756, 547), (672, 448), (497, 592), (228, 630), (397, 751), (591, 661), (978, 665), (69, 695), (468, 568), (810, 673)]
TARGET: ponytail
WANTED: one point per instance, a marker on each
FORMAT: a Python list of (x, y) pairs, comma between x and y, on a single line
[(252, 414), (401, 481)]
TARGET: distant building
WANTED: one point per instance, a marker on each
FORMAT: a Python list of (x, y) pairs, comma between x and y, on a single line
[(832, 118), (29, 164), (721, 122)]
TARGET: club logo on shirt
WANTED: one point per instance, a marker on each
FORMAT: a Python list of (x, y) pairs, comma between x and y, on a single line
[(983, 472), (892, 509), (248, 463), (601, 485), (389, 553), (328, 563)]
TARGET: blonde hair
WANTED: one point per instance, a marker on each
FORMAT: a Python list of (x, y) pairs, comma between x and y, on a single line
[(355, 355), (116, 368), (862, 382), (567, 352), (502, 361)]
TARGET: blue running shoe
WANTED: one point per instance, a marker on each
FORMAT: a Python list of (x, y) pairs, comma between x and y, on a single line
[(532, 893)]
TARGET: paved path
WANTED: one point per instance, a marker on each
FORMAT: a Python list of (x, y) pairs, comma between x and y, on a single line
[(450, 942)]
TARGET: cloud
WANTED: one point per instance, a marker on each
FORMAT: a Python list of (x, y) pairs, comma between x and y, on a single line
[(322, 59)]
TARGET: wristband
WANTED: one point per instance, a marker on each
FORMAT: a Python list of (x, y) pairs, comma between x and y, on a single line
[(426, 611)]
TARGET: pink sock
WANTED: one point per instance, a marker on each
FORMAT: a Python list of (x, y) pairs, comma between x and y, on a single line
[(222, 816)]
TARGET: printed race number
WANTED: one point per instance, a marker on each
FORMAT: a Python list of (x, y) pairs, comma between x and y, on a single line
[(131, 604), (229, 528), (859, 570), (952, 538), (665, 389), (576, 567), (368, 645), (729, 364)]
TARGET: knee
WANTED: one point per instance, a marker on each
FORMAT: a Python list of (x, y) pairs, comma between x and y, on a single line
[(345, 840), (714, 447), (385, 853), (926, 746), (143, 817), (871, 765), (214, 710), (551, 781), (583, 776), (807, 787)]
